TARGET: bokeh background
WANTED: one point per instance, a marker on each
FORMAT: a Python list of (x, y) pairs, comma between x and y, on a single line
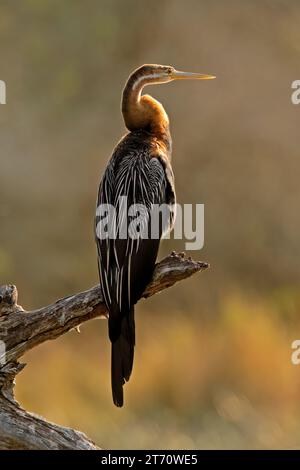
[(213, 358)]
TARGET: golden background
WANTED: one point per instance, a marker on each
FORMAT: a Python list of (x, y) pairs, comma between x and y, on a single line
[(213, 358)]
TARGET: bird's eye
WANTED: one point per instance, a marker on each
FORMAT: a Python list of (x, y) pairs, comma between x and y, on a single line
[(1, 298)]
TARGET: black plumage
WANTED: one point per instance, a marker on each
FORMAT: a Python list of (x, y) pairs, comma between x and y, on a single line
[(136, 171)]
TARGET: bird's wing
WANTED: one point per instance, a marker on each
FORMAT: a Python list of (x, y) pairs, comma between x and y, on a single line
[(126, 263)]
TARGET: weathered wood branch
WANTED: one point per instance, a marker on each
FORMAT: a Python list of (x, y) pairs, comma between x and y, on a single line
[(21, 330)]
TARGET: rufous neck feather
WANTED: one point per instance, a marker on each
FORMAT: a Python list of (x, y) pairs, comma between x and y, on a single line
[(143, 111)]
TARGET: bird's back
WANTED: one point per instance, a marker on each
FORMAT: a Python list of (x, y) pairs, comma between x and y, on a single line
[(134, 182)]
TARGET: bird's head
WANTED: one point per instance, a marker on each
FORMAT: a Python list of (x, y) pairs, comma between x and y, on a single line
[(155, 73)]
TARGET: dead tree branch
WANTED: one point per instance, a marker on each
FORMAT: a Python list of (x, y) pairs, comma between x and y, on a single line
[(21, 330)]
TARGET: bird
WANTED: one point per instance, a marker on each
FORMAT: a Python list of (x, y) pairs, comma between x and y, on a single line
[(138, 173)]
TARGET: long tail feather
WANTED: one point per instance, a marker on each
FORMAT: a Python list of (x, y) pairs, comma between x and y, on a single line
[(122, 357)]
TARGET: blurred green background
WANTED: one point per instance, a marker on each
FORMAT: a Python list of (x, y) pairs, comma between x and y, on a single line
[(212, 367)]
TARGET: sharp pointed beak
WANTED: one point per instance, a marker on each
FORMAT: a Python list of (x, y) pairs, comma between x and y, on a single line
[(177, 75)]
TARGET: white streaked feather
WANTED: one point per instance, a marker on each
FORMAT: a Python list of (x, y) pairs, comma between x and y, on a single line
[(144, 179)]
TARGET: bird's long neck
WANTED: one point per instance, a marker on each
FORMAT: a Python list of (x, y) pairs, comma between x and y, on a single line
[(143, 112)]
